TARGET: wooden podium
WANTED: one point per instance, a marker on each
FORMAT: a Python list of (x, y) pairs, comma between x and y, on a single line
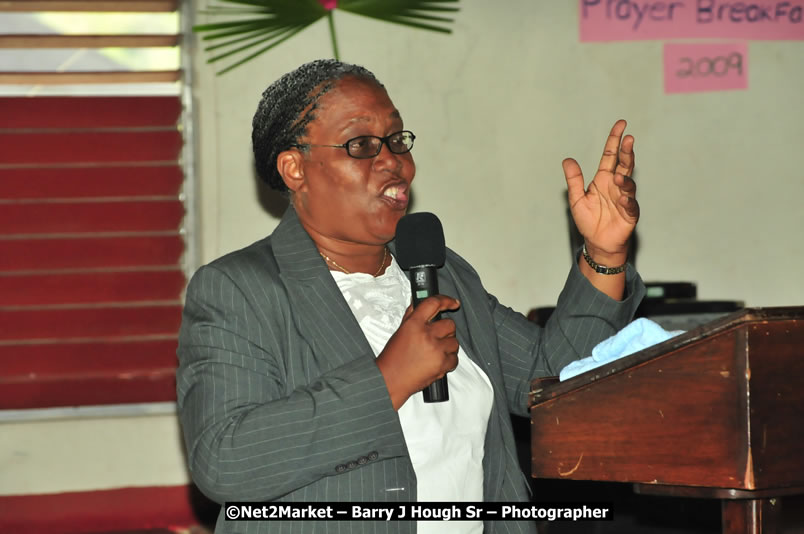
[(717, 412)]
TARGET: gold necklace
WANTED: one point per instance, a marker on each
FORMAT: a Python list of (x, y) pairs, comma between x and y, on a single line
[(340, 268)]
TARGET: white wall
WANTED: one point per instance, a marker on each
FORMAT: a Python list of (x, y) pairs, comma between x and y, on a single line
[(496, 106), (499, 103), (93, 448)]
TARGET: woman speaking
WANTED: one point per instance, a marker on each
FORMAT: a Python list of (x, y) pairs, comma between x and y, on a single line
[(302, 359)]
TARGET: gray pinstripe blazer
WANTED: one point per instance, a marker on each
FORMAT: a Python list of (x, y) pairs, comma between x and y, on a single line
[(280, 398)]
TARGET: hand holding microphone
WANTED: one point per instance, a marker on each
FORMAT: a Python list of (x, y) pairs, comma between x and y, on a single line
[(422, 351), (424, 348)]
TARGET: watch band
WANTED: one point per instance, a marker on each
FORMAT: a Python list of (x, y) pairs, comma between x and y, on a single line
[(601, 269)]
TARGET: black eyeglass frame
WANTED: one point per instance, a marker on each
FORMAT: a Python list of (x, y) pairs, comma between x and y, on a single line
[(383, 141)]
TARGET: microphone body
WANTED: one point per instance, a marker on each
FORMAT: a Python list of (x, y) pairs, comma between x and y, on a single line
[(423, 284), (420, 250)]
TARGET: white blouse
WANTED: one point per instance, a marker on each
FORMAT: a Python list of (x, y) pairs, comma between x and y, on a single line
[(444, 439)]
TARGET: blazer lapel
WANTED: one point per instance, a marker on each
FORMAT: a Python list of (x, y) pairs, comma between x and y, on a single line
[(319, 308), (474, 333)]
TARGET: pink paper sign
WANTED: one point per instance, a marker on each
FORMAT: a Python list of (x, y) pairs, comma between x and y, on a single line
[(705, 67), (633, 20)]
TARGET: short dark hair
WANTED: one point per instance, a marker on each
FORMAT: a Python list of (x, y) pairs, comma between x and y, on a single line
[(287, 107)]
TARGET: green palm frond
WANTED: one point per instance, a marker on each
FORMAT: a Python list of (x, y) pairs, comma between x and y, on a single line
[(414, 13), (260, 25)]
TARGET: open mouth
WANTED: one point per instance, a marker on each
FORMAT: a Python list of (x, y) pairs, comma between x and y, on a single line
[(396, 195)]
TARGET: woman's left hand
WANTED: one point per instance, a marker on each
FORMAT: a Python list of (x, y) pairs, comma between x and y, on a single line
[(607, 211)]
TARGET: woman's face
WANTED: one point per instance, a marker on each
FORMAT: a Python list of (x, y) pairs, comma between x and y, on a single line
[(348, 199)]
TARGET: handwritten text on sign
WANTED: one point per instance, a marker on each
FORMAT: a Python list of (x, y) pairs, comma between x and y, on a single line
[(705, 67), (632, 20)]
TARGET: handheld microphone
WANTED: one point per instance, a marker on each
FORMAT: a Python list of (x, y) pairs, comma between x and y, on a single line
[(420, 250)]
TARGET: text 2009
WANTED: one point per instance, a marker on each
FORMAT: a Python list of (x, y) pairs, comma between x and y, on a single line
[(707, 66)]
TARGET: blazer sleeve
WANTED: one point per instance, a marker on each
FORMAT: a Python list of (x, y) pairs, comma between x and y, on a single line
[(248, 435), (583, 317)]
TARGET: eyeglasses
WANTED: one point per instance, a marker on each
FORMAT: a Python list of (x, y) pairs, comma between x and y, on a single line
[(368, 146)]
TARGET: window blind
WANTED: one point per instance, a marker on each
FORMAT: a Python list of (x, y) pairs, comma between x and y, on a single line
[(91, 237)]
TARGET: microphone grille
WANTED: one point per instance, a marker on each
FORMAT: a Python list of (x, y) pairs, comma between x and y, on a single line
[(420, 241)]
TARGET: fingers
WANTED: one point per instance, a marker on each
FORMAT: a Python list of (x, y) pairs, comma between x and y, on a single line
[(627, 202), (450, 362), (574, 177), (445, 332), (443, 329), (608, 162), (625, 160), (626, 184), (432, 306), (629, 207), (421, 350), (428, 309)]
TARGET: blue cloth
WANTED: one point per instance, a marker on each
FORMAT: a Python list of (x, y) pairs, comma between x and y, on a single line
[(636, 336)]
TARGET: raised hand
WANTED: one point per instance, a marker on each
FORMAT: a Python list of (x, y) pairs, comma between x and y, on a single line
[(607, 211), (421, 350)]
